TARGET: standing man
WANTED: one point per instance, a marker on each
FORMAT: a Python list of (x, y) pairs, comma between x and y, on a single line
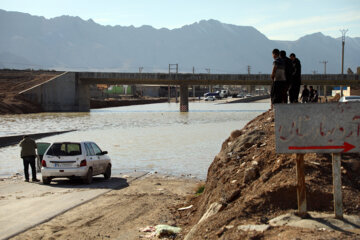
[(305, 95), (28, 155), (296, 79), (278, 77), (312, 94), (288, 74), (316, 97)]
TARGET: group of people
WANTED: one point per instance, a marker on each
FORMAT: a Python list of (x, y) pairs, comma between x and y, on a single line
[(286, 77), (309, 95)]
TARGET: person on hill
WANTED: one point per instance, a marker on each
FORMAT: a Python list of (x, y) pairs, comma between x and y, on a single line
[(288, 74), (278, 78), (28, 155), (311, 94), (305, 95), (315, 99), (295, 83)]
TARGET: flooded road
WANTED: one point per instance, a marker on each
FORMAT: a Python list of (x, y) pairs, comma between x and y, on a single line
[(154, 137)]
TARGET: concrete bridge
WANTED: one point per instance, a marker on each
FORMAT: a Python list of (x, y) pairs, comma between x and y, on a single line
[(69, 92)]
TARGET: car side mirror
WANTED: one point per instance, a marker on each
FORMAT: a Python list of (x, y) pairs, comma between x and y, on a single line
[(104, 152)]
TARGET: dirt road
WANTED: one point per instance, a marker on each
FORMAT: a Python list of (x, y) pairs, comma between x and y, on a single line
[(117, 214), (24, 205)]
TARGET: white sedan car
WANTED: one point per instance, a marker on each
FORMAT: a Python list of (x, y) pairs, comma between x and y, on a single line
[(210, 98), (75, 159), (350, 99)]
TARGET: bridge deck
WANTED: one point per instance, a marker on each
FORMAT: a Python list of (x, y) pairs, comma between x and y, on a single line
[(209, 79)]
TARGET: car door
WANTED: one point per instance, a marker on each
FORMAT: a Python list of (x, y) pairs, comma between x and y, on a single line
[(100, 158), (41, 149), (91, 158)]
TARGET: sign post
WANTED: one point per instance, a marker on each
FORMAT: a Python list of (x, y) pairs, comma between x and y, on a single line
[(338, 205), (318, 128), (301, 188)]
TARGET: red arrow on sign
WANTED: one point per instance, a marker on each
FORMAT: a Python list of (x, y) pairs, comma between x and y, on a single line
[(347, 147)]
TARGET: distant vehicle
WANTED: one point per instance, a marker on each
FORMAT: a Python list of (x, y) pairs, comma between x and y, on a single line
[(240, 95), (75, 160), (350, 99), (224, 93), (215, 94), (248, 95), (210, 98)]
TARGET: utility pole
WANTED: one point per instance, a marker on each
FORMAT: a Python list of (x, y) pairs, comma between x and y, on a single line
[(343, 32), (249, 87), (140, 71), (324, 62), (176, 68), (249, 69), (193, 71), (208, 72)]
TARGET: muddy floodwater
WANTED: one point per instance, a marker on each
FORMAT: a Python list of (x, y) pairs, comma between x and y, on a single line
[(154, 137)]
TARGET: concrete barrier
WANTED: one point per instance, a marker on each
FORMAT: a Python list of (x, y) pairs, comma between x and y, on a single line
[(94, 103), (13, 140), (250, 99)]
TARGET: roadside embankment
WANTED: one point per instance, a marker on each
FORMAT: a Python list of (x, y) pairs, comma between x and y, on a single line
[(14, 81), (94, 103), (248, 183)]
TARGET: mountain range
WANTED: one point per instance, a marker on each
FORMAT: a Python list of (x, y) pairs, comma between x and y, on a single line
[(71, 43)]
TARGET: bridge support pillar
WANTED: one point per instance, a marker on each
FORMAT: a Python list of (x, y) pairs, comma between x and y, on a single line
[(184, 98), (82, 96)]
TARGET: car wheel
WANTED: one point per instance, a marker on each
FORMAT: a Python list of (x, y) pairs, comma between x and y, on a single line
[(107, 173), (89, 176), (46, 180)]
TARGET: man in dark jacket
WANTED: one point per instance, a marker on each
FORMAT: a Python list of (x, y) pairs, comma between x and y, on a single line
[(305, 95), (316, 97), (278, 77), (311, 93), (296, 79), (28, 155), (288, 74)]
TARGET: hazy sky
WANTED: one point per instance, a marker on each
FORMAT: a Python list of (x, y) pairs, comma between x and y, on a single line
[(277, 19)]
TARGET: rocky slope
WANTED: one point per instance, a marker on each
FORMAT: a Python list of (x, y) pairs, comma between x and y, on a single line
[(248, 183)]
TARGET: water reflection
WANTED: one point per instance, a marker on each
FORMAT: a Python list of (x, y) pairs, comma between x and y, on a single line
[(154, 137)]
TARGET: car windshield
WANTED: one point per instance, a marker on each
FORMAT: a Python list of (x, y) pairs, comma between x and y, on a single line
[(64, 149)]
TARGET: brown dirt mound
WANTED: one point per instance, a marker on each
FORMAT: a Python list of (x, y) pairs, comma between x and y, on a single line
[(14, 81), (254, 184)]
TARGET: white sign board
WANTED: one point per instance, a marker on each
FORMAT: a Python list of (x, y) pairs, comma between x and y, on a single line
[(318, 128)]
